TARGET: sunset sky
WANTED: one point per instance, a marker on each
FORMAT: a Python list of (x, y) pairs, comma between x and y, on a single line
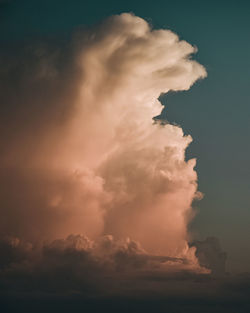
[(78, 92)]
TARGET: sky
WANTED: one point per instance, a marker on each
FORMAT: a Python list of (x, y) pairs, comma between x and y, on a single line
[(214, 111)]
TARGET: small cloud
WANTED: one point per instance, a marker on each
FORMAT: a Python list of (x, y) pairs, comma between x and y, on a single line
[(211, 255)]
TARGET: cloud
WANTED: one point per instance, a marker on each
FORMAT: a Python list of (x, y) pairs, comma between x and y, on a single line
[(81, 265), (95, 195), (82, 154), (80, 274), (210, 255), (13, 251)]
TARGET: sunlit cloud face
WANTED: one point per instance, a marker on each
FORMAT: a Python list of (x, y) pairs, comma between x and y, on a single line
[(84, 155)]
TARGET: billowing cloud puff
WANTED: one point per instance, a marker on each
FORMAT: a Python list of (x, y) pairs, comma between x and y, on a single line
[(211, 255)]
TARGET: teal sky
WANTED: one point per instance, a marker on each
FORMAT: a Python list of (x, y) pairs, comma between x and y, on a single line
[(215, 111)]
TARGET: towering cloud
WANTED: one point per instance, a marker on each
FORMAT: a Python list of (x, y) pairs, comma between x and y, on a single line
[(81, 152)]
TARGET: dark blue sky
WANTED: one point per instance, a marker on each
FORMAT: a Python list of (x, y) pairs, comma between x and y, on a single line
[(215, 111)]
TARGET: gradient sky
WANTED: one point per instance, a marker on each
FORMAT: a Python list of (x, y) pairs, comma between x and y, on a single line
[(215, 111)]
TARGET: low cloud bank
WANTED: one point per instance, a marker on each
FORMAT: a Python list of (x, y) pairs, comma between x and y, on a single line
[(77, 273)]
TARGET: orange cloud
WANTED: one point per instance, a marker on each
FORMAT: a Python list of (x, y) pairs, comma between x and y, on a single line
[(82, 153)]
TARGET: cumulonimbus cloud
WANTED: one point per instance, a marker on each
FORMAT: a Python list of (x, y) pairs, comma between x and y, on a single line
[(81, 151)]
